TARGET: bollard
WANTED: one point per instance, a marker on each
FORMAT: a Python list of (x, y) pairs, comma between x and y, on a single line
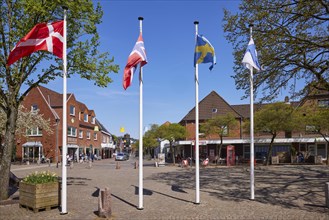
[(327, 194), (89, 165), (104, 203), (117, 166)]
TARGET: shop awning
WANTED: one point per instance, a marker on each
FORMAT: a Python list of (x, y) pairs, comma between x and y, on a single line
[(72, 146), (107, 145), (32, 144)]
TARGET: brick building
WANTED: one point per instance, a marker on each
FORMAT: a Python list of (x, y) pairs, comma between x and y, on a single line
[(214, 105), (85, 134)]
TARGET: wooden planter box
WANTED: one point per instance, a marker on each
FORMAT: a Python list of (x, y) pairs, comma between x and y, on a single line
[(40, 196)]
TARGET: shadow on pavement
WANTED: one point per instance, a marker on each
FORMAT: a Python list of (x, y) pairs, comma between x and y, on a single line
[(117, 197), (146, 192), (299, 187), (150, 192)]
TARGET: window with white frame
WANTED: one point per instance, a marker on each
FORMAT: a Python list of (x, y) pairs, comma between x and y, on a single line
[(72, 110), (310, 128), (80, 133), (34, 132), (103, 138), (85, 117), (88, 134), (323, 103), (225, 130), (95, 136), (93, 119), (71, 131)]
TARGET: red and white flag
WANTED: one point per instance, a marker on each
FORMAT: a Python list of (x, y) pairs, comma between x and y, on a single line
[(43, 36), (137, 56)]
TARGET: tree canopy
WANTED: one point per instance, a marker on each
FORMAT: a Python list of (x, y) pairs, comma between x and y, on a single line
[(274, 118), (17, 18), (291, 38), (171, 132), (316, 119), (150, 138)]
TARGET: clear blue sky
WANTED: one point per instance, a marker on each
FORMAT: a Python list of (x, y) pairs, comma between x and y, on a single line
[(169, 38)]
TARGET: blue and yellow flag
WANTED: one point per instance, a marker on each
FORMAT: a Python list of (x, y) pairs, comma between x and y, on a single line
[(204, 52)]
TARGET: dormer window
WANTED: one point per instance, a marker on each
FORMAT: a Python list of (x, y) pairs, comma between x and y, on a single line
[(93, 119), (85, 117), (72, 110), (34, 108)]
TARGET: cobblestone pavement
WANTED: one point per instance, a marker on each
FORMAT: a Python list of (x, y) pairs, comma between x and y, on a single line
[(281, 192)]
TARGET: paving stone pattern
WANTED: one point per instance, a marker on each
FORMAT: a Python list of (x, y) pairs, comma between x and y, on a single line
[(281, 192)]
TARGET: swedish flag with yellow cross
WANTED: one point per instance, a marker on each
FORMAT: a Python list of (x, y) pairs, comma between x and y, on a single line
[(204, 52)]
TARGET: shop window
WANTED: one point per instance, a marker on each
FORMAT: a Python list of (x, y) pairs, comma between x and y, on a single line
[(321, 150)]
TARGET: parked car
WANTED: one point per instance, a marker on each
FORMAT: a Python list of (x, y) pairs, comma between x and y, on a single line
[(121, 156)]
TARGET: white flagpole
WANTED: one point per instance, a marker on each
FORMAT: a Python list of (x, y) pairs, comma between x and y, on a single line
[(252, 176), (140, 151), (64, 120), (197, 178)]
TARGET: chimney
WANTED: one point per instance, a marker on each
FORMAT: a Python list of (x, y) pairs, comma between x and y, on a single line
[(286, 99)]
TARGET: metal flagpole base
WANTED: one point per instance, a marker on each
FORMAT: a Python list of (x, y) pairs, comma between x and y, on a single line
[(63, 213), (196, 203), (140, 208)]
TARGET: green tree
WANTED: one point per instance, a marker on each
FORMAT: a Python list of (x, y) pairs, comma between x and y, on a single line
[(171, 132), (150, 139), (17, 18), (220, 125), (292, 43), (317, 119), (272, 119)]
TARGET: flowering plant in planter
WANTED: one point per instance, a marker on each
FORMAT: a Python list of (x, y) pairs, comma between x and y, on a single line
[(40, 177)]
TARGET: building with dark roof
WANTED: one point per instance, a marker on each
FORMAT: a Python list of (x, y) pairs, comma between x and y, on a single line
[(85, 134), (214, 105)]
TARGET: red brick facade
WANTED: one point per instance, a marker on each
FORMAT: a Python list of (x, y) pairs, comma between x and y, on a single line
[(213, 105), (84, 135)]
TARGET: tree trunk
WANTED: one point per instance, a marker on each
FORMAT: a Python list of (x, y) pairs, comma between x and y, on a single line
[(269, 153), (220, 147), (172, 153), (6, 152)]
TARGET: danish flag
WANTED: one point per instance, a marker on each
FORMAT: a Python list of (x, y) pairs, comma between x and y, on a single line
[(43, 36)]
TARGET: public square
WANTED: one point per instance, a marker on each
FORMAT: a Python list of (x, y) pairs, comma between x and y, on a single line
[(281, 192)]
